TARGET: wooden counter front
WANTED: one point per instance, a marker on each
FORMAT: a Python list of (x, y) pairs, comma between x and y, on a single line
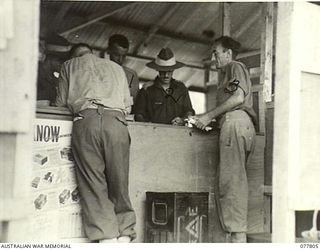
[(165, 158)]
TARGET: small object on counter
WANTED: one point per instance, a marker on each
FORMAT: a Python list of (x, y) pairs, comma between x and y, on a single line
[(191, 122)]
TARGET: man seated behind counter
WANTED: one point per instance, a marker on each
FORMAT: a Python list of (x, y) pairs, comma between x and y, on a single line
[(96, 92), (166, 100)]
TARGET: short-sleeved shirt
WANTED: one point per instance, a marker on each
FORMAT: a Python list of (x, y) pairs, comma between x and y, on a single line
[(232, 77), (88, 80), (159, 106), (133, 82)]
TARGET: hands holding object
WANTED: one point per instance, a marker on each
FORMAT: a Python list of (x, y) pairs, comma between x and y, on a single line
[(200, 122)]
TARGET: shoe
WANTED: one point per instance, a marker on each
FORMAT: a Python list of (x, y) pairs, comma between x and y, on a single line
[(238, 237), (124, 239), (113, 240)]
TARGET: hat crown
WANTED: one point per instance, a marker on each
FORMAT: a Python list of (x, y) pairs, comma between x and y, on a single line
[(165, 54), (165, 61), (57, 40)]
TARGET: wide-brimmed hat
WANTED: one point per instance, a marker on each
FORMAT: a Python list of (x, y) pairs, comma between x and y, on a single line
[(57, 45), (165, 61)]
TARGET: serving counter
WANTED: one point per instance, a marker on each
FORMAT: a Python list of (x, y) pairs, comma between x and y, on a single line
[(163, 158)]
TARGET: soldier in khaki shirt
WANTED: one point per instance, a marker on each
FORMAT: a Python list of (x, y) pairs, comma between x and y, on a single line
[(235, 116), (96, 92)]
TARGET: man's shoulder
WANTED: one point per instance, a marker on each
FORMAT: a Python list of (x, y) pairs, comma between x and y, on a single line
[(130, 71), (148, 86), (179, 84), (236, 65)]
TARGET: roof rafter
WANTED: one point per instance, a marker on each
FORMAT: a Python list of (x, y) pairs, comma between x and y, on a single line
[(97, 17), (162, 32), (169, 12), (247, 24), (108, 19)]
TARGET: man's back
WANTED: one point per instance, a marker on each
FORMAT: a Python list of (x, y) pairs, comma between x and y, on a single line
[(88, 79)]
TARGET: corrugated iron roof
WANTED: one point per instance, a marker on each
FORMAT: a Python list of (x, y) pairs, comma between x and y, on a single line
[(185, 31)]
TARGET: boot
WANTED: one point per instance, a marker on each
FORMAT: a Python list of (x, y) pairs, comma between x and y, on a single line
[(113, 240), (238, 237), (124, 239)]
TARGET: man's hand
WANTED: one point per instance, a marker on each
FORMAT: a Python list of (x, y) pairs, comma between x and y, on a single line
[(177, 121), (201, 121)]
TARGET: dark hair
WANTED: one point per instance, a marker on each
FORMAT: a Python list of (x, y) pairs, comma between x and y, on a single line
[(229, 43), (77, 46), (121, 40)]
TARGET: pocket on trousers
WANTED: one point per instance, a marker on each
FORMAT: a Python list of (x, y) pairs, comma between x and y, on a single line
[(122, 120)]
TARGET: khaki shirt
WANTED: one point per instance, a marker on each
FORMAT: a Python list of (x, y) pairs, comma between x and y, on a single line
[(88, 80), (232, 77), (133, 82)]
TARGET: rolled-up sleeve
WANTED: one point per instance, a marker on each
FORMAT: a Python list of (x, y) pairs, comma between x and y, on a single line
[(63, 88), (238, 79)]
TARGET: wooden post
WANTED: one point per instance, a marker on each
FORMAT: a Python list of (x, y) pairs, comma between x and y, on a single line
[(266, 63), (226, 21), (296, 125), (282, 217), (267, 52), (18, 70)]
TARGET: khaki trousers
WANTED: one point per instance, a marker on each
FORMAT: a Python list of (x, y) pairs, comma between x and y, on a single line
[(100, 144), (237, 143)]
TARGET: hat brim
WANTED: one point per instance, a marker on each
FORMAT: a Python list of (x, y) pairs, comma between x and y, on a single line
[(62, 55), (157, 67)]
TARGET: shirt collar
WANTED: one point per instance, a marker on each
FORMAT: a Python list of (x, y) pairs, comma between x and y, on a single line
[(224, 68), (173, 84), (176, 91)]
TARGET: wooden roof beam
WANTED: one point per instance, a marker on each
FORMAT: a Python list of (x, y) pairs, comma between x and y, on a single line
[(95, 18), (248, 54), (226, 20), (147, 58), (138, 27), (169, 12), (166, 33)]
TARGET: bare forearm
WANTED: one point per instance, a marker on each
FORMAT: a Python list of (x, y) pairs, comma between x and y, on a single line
[(232, 102)]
